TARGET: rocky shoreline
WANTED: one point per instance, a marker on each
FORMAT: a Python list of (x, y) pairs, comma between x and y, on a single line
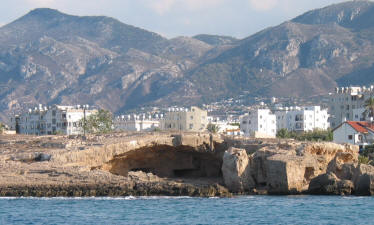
[(165, 164)]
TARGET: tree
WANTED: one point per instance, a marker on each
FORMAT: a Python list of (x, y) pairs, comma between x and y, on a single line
[(213, 128), (98, 123), (283, 133), (2, 128), (369, 107)]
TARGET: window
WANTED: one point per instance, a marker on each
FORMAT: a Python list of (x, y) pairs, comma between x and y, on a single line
[(347, 116), (191, 117), (347, 107), (191, 125), (350, 137), (53, 121), (53, 112)]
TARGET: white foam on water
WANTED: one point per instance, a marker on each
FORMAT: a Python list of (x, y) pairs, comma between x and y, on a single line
[(99, 198)]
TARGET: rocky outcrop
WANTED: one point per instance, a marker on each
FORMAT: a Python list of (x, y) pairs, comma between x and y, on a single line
[(329, 184), (236, 170), (290, 174), (364, 180), (286, 168)]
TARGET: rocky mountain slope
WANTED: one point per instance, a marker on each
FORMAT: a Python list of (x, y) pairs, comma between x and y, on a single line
[(49, 57)]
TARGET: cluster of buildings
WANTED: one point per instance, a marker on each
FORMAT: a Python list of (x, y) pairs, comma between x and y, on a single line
[(349, 117), (346, 115), (264, 123), (56, 119)]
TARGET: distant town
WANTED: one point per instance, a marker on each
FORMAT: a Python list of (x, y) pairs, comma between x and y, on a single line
[(347, 114)]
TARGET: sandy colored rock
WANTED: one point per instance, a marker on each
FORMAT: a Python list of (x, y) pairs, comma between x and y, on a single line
[(290, 174), (329, 184), (364, 180), (236, 170)]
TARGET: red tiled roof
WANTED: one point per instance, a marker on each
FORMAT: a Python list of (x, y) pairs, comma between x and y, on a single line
[(361, 127)]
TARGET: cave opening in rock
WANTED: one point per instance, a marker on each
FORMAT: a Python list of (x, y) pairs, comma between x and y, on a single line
[(168, 161)]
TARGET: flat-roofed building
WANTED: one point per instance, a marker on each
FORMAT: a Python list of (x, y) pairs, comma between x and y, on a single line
[(56, 119), (193, 119)]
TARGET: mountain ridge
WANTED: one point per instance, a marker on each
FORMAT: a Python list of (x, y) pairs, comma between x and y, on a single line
[(49, 57)]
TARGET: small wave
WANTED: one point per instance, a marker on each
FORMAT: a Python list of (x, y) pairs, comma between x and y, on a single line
[(99, 198)]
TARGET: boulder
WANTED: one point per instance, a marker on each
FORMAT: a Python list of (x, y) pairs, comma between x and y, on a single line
[(258, 163), (364, 180), (290, 174), (236, 170), (329, 184)]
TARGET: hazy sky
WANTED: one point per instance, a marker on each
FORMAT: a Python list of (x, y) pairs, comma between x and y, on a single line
[(170, 18)]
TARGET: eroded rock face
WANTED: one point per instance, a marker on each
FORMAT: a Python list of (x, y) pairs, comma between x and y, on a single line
[(364, 180), (290, 174), (289, 168), (236, 170), (329, 184)]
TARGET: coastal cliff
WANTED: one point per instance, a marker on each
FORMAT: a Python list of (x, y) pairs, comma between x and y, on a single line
[(189, 164)]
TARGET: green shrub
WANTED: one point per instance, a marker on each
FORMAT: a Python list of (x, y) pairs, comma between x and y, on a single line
[(363, 159)]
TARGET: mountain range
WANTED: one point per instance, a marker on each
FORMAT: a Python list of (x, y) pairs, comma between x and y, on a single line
[(48, 57)]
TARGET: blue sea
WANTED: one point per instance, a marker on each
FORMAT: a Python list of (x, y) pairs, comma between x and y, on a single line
[(185, 210)]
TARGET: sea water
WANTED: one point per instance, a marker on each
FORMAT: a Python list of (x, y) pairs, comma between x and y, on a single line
[(186, 210)]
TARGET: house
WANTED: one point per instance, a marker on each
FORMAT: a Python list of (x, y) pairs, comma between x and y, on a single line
[(56, 119), (193, 119), (302, 119), (354, 132), (136, 123), (258, 123)]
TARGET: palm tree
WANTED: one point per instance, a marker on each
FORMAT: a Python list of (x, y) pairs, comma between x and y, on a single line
[(213, 128), (369, 107)]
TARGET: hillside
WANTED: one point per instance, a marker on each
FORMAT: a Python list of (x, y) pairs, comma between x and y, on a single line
[(50, 57)]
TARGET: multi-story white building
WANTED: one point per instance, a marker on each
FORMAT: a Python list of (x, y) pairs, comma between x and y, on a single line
[(302, 118), (136, 123), (345, 101), (193, 119), (51, 120), (259, 123)]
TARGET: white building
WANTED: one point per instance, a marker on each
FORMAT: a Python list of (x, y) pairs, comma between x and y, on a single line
[(193, 119), (225, 127), (302, 118), (355, 133), (344, 102), (136, 123), (57, 119), (259, 123)]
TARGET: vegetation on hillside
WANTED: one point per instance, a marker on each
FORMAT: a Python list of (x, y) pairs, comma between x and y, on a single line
[(315, 135)]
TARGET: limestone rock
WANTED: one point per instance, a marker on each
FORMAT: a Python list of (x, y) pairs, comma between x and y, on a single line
[(329, 184), (236, 170), (290, 174), (364, 180)]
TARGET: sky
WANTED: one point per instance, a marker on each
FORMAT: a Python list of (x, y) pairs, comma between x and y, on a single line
[(172, 18)]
